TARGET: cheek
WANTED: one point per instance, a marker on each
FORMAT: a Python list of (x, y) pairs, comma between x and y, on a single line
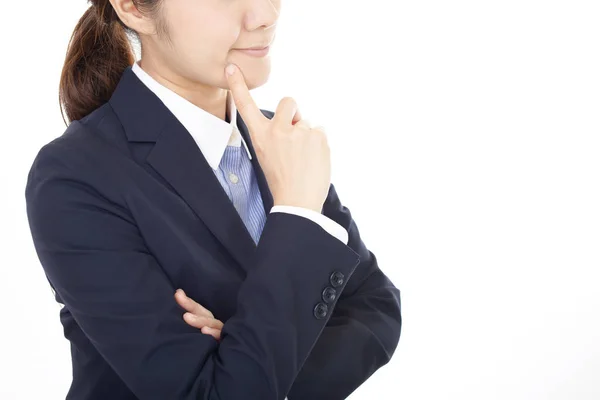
[(195, 26), (209, 39), (221, 43), (225, 35)]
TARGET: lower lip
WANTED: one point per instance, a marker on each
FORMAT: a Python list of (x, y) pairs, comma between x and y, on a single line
[(255, 53)]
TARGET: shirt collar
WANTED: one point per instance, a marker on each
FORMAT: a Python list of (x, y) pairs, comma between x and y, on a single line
[(211, 134)]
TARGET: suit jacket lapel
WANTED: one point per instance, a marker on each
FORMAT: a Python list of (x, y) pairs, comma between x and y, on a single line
[(177, 158)]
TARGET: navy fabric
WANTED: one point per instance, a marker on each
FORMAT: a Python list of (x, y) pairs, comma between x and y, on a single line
[(124, 209)]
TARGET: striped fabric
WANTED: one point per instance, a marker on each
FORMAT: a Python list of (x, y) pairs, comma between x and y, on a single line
[(236, 175), (219, 141)]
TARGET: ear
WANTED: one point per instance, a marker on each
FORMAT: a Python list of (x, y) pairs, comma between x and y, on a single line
[(132, 17)]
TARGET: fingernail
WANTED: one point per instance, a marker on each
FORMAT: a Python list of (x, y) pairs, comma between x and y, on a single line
[(230, 69)]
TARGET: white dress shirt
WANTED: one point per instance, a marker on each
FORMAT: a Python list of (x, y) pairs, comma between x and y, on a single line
[(212, 135)]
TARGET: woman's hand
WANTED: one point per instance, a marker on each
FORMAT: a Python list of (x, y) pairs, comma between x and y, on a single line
[(198, 316), (294, 157)]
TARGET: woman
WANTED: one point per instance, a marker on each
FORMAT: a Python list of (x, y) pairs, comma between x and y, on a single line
[(146, 214)]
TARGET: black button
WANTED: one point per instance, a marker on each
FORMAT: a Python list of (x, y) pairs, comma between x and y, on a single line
[(329, 294), (336, 279), (320, 310)]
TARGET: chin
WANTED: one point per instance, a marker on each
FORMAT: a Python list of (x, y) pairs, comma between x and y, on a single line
[(256, 72), (257, 80)]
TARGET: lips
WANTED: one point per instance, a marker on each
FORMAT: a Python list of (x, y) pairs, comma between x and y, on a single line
[(260, 46), (255, 52), (255, 48)]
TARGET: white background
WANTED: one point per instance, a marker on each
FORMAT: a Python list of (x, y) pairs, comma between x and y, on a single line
[(465, 140)]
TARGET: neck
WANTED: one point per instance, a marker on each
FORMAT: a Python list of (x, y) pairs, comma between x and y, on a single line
[(209, 98)]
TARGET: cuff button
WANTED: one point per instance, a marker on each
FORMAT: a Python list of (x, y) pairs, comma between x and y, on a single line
[(320, 310), (336, 279), (329, 294)]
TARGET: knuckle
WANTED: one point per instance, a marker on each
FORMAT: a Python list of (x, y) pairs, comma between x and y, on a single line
[(316, 134), (287, 99), (191, 319), (284, 131), (320, 133)]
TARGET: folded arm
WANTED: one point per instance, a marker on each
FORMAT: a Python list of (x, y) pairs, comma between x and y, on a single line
[(364, 330), (95, 258)]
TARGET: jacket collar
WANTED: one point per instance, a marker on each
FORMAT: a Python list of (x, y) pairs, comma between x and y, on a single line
[(211, 134), (178, 159)]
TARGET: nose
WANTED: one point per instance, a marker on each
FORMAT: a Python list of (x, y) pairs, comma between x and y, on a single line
[(262, 13)]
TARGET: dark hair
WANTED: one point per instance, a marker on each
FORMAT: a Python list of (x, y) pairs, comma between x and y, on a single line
[(99, 51)]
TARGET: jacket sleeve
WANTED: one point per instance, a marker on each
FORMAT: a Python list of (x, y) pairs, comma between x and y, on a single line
[(94, 256), (364, 330)]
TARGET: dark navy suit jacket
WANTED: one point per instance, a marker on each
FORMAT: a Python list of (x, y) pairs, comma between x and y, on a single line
[(124, 209)]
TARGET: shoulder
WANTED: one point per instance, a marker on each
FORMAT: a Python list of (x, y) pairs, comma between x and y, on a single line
[(78, 160), (78, 138), (61, 153), (88, 143)]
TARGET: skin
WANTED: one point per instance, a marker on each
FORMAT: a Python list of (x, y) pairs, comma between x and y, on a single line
[(187, 50), (198, 316), (199, 39)]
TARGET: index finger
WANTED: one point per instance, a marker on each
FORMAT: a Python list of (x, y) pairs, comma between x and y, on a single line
[(191, 305), (244, 103)]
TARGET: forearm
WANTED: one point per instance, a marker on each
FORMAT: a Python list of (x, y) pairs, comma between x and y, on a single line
[(360, 337)]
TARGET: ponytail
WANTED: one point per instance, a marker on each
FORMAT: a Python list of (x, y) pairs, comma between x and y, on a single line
[(98, 53)]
